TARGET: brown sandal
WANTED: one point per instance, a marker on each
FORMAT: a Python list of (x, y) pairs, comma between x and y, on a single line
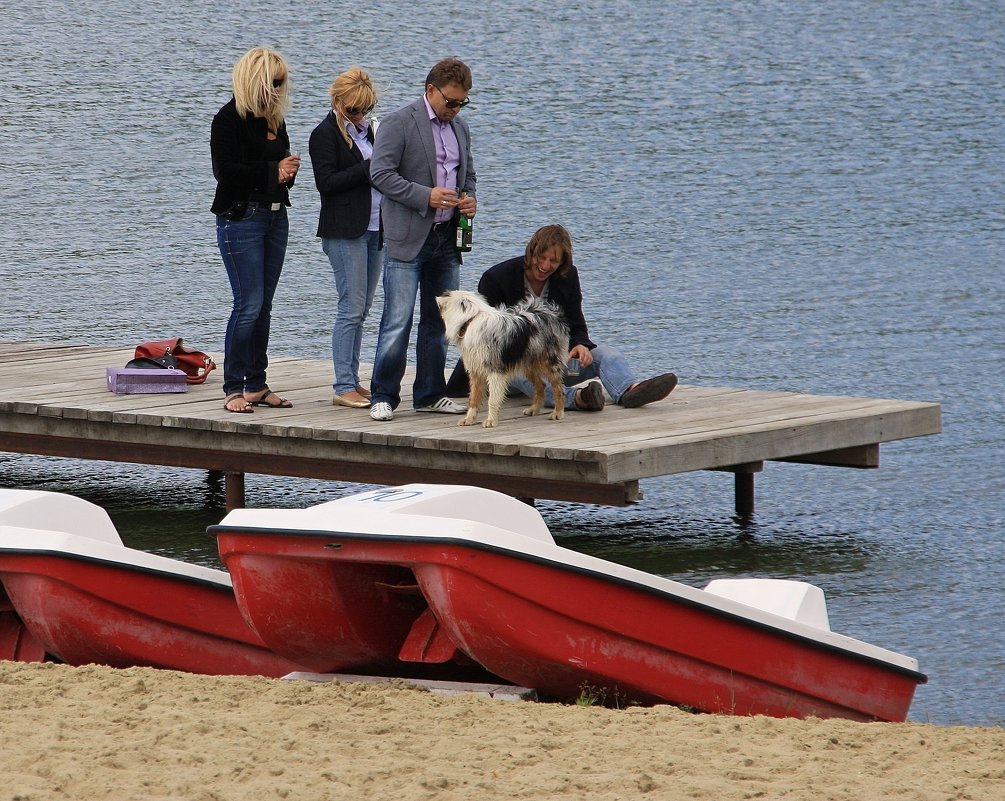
[(233, 396), (263, 400)]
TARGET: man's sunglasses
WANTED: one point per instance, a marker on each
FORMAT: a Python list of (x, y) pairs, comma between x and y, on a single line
[(451, 103)]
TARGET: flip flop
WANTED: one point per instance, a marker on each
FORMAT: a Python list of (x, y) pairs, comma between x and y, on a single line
[(234, 396), (262, 400)]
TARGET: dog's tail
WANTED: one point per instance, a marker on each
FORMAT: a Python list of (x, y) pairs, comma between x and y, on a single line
[(543, 324), (536, 310)]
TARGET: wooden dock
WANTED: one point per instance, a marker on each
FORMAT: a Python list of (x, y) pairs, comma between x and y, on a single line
[(54, 402)]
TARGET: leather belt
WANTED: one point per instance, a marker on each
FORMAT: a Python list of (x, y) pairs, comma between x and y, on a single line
[(268, 206), (441, 225)]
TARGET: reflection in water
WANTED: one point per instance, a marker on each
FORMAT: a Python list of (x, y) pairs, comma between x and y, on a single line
[(167, 511), (695, 549), (694, 557)]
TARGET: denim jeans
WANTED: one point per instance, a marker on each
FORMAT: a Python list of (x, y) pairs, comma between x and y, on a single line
[(608, 365), (253, 250), (432, 272), (356, 264)]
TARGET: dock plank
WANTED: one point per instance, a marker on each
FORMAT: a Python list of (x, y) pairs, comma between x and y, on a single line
[(54, 401)]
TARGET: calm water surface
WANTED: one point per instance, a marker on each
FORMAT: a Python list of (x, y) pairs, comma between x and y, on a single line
[(772, 195)]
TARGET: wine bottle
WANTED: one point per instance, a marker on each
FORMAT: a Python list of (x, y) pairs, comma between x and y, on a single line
[(464, 231)]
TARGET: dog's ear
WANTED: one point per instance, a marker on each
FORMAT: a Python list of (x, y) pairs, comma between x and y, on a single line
[(465, 305)]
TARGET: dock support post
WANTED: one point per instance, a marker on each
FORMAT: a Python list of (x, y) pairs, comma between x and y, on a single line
[(743, 487), (743, 494), (234, 490)]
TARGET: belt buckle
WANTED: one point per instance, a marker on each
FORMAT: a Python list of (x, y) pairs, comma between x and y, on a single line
[(276, 207)]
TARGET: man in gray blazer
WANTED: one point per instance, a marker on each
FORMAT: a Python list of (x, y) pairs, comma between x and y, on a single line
[(422, 166)]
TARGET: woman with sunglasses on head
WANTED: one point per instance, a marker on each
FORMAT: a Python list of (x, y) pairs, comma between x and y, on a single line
[(349, 223), (254, 171)]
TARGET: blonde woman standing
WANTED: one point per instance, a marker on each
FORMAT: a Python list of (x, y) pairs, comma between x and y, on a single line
[(254, 171), (349, 223)]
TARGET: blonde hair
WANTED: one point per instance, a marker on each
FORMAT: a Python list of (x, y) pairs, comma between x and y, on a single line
[(254, 93), (352, 89)]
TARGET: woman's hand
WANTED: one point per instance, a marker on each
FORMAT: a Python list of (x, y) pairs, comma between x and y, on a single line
[(582, 353), (288, 168)]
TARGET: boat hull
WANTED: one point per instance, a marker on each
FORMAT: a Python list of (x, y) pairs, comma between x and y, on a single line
[(324, 614), (84, 611), (485, 581), (569, 633), (17, 643), (578, 637)]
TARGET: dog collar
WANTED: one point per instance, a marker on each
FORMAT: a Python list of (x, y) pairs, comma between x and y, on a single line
[(464, 328)]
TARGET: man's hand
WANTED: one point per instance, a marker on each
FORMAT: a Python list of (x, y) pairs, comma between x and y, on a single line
[(441, 198)]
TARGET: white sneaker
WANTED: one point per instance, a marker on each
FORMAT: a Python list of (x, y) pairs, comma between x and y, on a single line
[(443, 406), (381, 411)]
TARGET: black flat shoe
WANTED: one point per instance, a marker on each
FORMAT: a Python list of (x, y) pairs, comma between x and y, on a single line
[(648, 391), (590, 398)]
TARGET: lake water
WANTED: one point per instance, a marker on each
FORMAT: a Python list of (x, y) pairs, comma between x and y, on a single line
[(775, 195)]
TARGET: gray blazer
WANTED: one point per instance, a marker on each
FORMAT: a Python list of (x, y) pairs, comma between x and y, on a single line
[(403, 169)]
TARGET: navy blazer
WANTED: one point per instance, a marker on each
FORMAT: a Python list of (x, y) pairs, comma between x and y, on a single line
[(237, 146), (342, 176)]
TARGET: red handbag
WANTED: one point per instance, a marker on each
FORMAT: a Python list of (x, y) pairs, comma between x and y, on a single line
[(194, 363)]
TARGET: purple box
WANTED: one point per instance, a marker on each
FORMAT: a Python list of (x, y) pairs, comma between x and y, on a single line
[(136, 380)]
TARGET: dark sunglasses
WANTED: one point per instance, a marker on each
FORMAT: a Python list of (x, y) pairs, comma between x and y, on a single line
[(451, 103), (277, 82), (352, 111)]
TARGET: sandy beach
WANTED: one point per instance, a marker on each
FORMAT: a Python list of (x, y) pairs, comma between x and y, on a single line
[(100, 733)]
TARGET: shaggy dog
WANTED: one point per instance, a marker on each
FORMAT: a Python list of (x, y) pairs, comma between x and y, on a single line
[(499, 344)]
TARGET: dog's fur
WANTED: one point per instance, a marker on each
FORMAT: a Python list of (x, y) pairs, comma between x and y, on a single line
[(499, 344)]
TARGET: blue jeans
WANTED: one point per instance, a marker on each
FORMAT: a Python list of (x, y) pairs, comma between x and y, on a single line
[(432, 272), (608, 365), (356, 264), (253, 250)]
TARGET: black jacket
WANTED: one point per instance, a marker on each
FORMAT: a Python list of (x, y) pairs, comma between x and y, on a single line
[(503, 284), (238, 147), (342, 177)]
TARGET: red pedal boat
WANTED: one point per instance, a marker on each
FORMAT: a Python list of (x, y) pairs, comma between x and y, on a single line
[(433, 574), (73, 592)]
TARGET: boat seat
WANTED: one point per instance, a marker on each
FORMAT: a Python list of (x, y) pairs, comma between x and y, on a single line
[(795, 600), (473, 504), (388, 511), (56, 511)]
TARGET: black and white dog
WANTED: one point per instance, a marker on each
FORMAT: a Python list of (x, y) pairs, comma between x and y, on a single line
[(499, 344)]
